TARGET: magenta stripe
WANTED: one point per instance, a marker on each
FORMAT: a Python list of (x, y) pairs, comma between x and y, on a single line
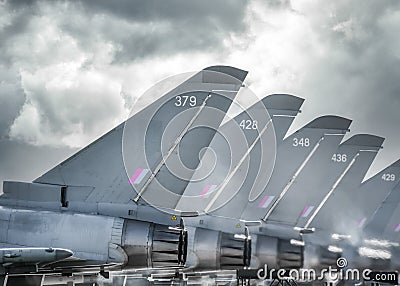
[(134, 177), (305, 210), (263, 201), (397, 227), (266, 202), (205, 190), (361, 221), (309, 211)]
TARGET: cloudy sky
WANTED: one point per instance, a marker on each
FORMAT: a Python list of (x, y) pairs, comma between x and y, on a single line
[(69, 71)]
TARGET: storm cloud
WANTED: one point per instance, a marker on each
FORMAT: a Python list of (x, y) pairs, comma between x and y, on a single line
[(71, 70)]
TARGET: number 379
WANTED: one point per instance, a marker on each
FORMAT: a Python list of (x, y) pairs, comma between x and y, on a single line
[(183, 100)]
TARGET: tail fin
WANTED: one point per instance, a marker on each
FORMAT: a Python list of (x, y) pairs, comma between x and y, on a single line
[(239, 172), (233, 145), (122, 164), (340, 163), (293, 154), (342, 204), (282, 108), (392, 229), (300, 195), (390, 213), (380, 196)]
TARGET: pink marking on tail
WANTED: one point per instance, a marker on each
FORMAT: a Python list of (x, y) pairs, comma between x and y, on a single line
[(360, 221), (305, 210), (135, 176), (205, 190), (263, 201)]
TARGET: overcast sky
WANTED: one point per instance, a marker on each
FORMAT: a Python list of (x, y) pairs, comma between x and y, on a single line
[(69, 71)]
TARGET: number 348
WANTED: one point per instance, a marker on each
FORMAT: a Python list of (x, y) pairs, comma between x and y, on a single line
[(301, 142)]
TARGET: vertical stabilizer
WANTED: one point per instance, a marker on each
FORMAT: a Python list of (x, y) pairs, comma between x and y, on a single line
[(183, 120)]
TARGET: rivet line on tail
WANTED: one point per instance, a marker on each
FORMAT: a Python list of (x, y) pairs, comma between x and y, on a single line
[(331, 191), (291, 181), (171, 150), (214, 198)]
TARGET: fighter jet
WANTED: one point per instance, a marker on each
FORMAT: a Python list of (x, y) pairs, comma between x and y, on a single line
[(117, 204), (383, 228), (240, 171), (377, 217), (96, 209), (335, 231), (372, 214), (343, 169), (238, 191), (387, 211), (246, 163), (373, 204), (293, 155), (206, 228), (328, 176)]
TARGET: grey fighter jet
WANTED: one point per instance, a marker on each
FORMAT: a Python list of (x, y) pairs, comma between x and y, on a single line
[(327, 177), (374, 215), (205, 228), (239, 173), (386, 183), (293, 155), (96, 209), (246, 163), (336, 202), (385, 224), (266, 247)]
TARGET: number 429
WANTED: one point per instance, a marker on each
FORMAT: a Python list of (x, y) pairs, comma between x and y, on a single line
[(389, 177)]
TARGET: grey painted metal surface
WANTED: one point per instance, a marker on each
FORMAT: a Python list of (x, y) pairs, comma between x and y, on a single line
[(215, 250), (100, 167), (233, 145), (292, 156), (283, 108), (370, 194), (258, 159), (175, 137), (85, 204), (341, 165), (34, 196), (339, 203), (98, 203), (93, 239), (33, 255), (305, 191), (275, 252), (48, 229), (385, 218)]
